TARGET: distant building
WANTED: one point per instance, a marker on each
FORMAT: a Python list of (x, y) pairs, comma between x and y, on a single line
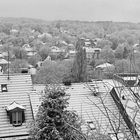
[(32, 53), (48, 58), (56, 50), (39, 64), (92, 53), (45, 35), (103, 69), (72, 54), (30, 50), (14, 31), (90, 43), (136, 48), (4, 63), (128, 79)]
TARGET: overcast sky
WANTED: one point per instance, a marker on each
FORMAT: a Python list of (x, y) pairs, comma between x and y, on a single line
[(89, 10)]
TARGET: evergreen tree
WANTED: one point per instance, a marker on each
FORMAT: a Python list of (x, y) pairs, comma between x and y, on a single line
[(53, 121), (79, 65), (125, 53)]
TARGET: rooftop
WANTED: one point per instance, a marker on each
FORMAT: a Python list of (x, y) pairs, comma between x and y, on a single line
[(18, 95), (13, 106), (99, 108)]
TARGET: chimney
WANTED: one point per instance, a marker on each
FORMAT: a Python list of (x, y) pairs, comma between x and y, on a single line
[(24, 70)]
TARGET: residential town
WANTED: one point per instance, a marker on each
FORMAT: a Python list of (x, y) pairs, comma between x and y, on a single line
[(56, 84)]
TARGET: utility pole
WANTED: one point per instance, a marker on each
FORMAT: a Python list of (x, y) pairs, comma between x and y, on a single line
[(8, 64)]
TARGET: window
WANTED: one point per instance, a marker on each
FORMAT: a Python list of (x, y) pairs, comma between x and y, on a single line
[(16, 114), (4, 88), (16, 118), (91, 125)]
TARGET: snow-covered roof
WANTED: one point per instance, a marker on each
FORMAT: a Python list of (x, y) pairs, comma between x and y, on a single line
[(3, 61), (27, 47), (1, 55), (91, 50), (14, 30), (105, 65), (72, 52), (31, 53), (45, 34), (13, 106), (89, 107), (5, 53)]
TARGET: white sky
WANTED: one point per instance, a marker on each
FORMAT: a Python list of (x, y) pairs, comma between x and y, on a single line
[(90, 10)]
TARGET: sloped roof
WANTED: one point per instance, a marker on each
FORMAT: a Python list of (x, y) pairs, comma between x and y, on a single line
[(128, 101), (105, 65), (13, 106), (3, 61), (5, 54), (91, 108), (45, 34), (26, 46), (19, 87), (31, 53), (91, 49), (99, 109), (72, 52)]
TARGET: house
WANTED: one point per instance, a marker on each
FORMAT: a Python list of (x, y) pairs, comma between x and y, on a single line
[(97, 53), (71, 46), (127, 98), (29, 54), (32, 70), (14, 31), (63, 43), (72, 54), (128, 79), (89, 53), (99, 106), (90, 107), (39, 64), (30, 50), (4, 63), (48, 58), (56, 50), (90, 43), (15, 106), (92, 52), (27, 48), (87, 42), (5, 54), (103, 69), (45, 35)]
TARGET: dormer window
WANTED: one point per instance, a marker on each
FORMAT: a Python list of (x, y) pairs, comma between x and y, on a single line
[(16, 117), (16, 114), (4, 88)]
